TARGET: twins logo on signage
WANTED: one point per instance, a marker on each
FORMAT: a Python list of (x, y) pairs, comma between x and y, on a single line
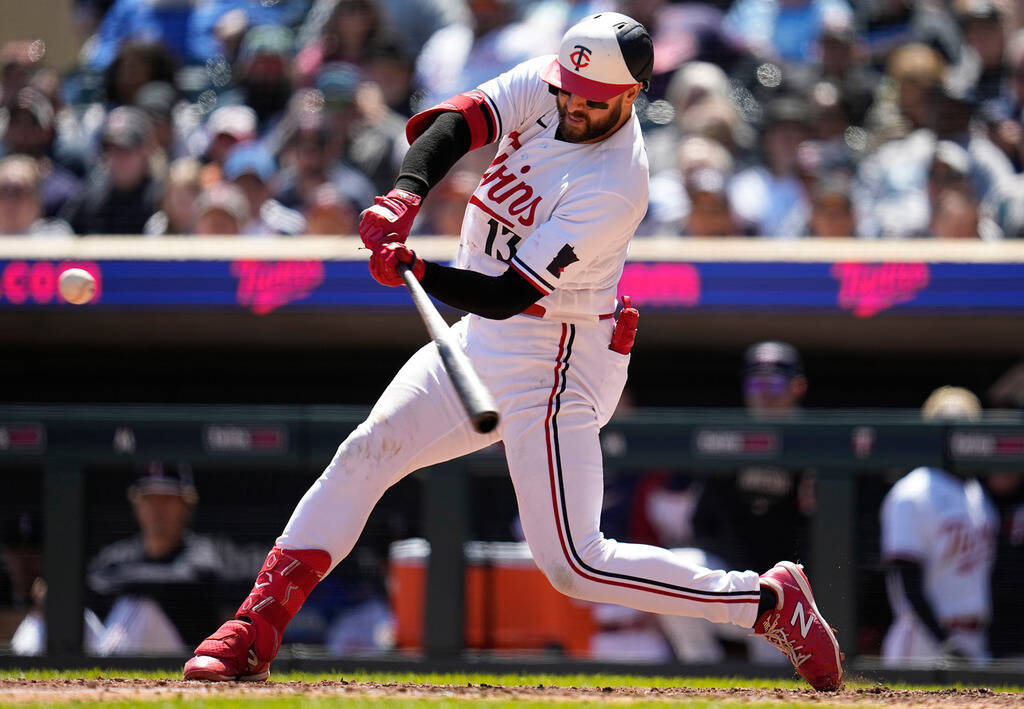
[(219, 438), (580, 57), (983, 444), (713, 442), (661, 284), (264, 286), (22, 438), (867, 289)]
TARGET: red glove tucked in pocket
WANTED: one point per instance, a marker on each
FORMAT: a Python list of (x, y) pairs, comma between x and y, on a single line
[(625, 327)]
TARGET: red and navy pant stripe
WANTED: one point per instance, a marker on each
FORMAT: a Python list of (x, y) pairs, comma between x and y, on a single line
[(561, 513)]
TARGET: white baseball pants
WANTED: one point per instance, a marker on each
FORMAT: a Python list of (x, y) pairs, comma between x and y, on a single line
[(909, 639), (556, 384)]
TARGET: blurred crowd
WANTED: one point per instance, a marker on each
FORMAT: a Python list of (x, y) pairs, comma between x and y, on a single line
[(774, 118)]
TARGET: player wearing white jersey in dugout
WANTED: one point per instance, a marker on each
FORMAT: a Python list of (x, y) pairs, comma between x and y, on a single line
[(543, 244), (938, 544)]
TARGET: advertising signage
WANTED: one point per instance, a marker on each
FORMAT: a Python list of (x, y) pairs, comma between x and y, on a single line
[(858, 289)]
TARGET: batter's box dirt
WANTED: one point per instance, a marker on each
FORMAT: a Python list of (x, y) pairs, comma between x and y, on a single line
[(114, 689)]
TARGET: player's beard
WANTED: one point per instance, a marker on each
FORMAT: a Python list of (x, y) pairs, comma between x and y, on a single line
[(589, 130)]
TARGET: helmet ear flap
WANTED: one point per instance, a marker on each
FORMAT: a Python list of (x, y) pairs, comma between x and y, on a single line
[(637, 50)]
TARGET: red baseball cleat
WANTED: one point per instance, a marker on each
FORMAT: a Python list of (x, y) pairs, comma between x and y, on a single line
[(797, 627), (237, 652)]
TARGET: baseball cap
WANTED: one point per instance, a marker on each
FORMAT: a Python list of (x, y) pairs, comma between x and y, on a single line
[(164, 478), (237, 121), (338, 81), (708, 180), (772, 357), (36, 104), (949, 403), (958, 86), (602, 56), (971, 10), (126, 127), (839, 27), (694, 82), (249, 158), (787, 109), (226, 198), (272, 40), (157, 99)]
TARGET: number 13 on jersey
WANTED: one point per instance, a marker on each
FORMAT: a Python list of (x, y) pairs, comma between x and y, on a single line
[(511, 241)]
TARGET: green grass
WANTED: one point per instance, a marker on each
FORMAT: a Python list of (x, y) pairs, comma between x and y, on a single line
[(436, 702), (425, 703), (458, 678), (506, 679)]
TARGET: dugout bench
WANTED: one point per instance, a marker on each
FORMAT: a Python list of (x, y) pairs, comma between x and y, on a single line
[(60, 441)]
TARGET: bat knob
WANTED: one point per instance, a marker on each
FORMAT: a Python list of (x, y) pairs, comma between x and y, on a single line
[(485, 421)]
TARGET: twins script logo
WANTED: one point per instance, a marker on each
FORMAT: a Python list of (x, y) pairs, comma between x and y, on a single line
[(508, 190), (664, 284), (581, 57), (264, 286), (868, 289), (966, 545)]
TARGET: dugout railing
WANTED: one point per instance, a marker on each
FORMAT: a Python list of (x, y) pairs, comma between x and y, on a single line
[(60, 442)]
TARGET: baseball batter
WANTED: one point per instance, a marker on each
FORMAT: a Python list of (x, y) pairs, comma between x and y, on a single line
[(543, 244)]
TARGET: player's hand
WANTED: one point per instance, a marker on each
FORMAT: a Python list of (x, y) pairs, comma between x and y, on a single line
[(384, 263), (625, 327), (389, 219)]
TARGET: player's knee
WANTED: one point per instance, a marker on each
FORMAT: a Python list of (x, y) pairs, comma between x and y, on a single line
[(567, 575), (562, 576), (368, 454), (595, 549)]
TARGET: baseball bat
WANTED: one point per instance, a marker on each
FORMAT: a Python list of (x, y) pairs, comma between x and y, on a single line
[(483, 413)]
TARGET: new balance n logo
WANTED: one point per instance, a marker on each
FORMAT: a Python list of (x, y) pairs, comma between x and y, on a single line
[(806, 620)]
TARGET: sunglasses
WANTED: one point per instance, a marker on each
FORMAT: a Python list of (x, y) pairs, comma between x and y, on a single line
[(555, 91), (771, 385), (14, 191)]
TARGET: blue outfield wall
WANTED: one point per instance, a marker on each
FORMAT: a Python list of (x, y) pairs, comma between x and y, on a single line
[(859, 289)]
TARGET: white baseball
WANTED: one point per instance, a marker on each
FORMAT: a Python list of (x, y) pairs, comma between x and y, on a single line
[(77, 286)]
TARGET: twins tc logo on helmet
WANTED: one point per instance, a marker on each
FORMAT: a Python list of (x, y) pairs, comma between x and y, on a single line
[(581, 57)]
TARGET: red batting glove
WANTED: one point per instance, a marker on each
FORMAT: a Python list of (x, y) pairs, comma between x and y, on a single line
[(389, 219), (384, 264), (625, 327)]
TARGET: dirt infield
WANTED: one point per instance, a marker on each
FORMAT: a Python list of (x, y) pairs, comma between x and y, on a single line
[(112, 689)]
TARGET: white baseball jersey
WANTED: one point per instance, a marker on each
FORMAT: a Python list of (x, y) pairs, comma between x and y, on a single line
[(562, 214), (948, 526)]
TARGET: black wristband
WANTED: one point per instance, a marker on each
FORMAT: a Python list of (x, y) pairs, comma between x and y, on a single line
[(416, 184)]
